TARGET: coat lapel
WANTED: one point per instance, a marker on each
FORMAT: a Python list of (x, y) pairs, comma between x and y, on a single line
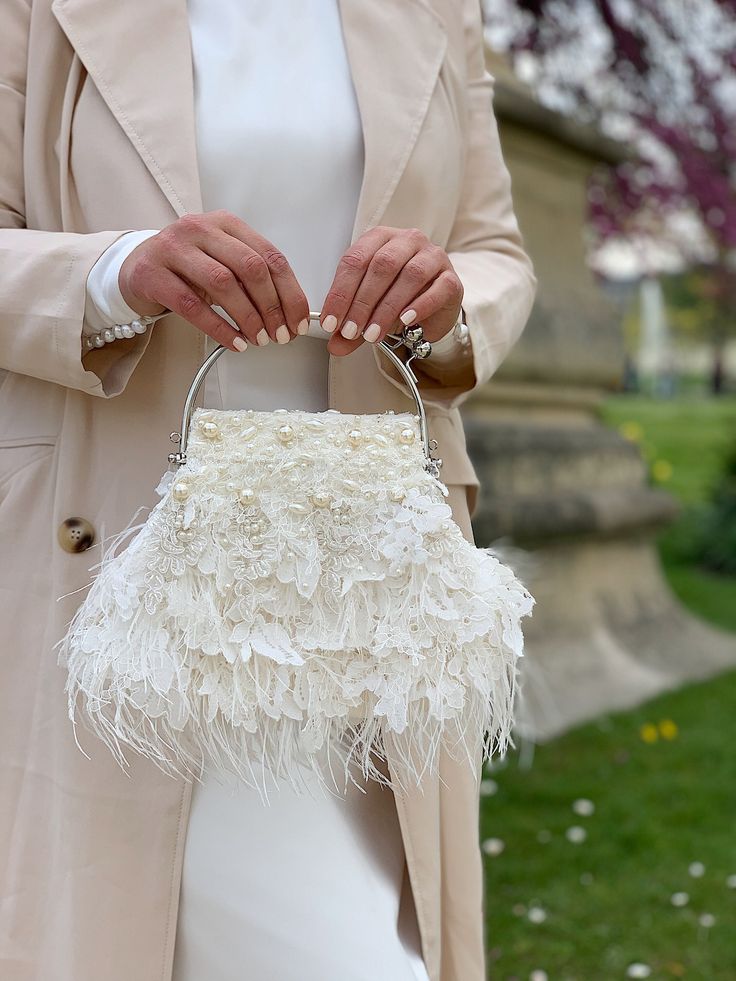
[(138, 53), (395, 49)]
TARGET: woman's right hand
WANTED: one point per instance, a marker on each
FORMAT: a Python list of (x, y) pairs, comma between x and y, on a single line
[(216, 259)]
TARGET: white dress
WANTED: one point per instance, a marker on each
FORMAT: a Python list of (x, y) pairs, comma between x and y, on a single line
[(309, 887)]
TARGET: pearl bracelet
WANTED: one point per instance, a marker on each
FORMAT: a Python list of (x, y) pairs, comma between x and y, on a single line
[(118, 332)]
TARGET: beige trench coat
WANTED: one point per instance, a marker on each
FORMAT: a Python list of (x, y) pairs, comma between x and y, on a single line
[(97, 138)]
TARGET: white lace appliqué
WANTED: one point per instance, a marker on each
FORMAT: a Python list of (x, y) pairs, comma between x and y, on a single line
[(300, 596)]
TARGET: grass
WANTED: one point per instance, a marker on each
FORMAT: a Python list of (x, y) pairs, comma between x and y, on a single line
[(659, 806), (684, 441), (662, 779)]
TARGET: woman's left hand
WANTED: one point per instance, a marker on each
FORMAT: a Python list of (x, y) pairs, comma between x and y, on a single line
[(390, 278)]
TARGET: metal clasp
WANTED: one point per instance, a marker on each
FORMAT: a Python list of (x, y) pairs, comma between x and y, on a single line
[(410, 337)]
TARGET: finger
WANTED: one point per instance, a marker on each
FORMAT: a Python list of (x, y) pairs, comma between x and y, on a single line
[(419, 273), (438, 307), (279, 298), (384, 268), (217, 283), (178, 296), (349, 274)]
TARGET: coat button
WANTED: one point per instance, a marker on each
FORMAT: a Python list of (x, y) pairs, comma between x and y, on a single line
[(76, 535)]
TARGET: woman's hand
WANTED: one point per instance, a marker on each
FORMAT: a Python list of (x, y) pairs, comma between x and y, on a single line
[(216, 259), (388, 279)]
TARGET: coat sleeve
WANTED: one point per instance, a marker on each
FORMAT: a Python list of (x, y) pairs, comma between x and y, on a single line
[(43, 274), (485, 247)]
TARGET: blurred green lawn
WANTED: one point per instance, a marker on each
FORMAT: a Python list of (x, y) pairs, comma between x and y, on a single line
[(684, 441), (662, 779), (606, 901)]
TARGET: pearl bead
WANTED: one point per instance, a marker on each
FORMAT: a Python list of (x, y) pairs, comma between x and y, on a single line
[(108, 335), (127, 331), (210, 430), (139, 327), (185, 535), (118, 332), (397, 494), (285, 433), (320, 500), (98, 340), (407, 436), (180, 491), (247, 495), (355, 437)]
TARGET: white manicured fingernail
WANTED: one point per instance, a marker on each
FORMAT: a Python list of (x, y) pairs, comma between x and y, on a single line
[(350, 330), (329, 324), (408, 317), (282, 334), (302, 326), (239, 344), (371, 332), (262, 336)]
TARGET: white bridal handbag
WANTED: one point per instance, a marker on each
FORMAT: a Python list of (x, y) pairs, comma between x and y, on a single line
[(300, 596)]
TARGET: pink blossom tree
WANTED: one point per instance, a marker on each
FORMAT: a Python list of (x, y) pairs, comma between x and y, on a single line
[(661, 75)]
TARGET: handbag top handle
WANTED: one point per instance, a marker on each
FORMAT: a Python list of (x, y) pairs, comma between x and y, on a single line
[(410, 337)]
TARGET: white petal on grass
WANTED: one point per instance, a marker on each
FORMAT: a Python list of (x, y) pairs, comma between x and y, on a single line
[(731, 882), (576, 834), (638, 971), (536, 914), (583, 807), (488, 788), (539, 975), (493, 846), (679, 899), (707, 920), (696, 870)]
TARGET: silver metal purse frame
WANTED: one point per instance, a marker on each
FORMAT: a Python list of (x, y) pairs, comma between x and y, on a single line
[(411, 337)]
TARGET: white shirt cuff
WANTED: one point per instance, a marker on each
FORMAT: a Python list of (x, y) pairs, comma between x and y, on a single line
[(105, 305)]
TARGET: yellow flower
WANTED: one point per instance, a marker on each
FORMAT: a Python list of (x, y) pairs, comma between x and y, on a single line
[(632, 431), (649, 732), (668, 729), (661, 470)]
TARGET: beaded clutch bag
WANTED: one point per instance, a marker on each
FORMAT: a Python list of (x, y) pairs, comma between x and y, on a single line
[(300, 596)]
